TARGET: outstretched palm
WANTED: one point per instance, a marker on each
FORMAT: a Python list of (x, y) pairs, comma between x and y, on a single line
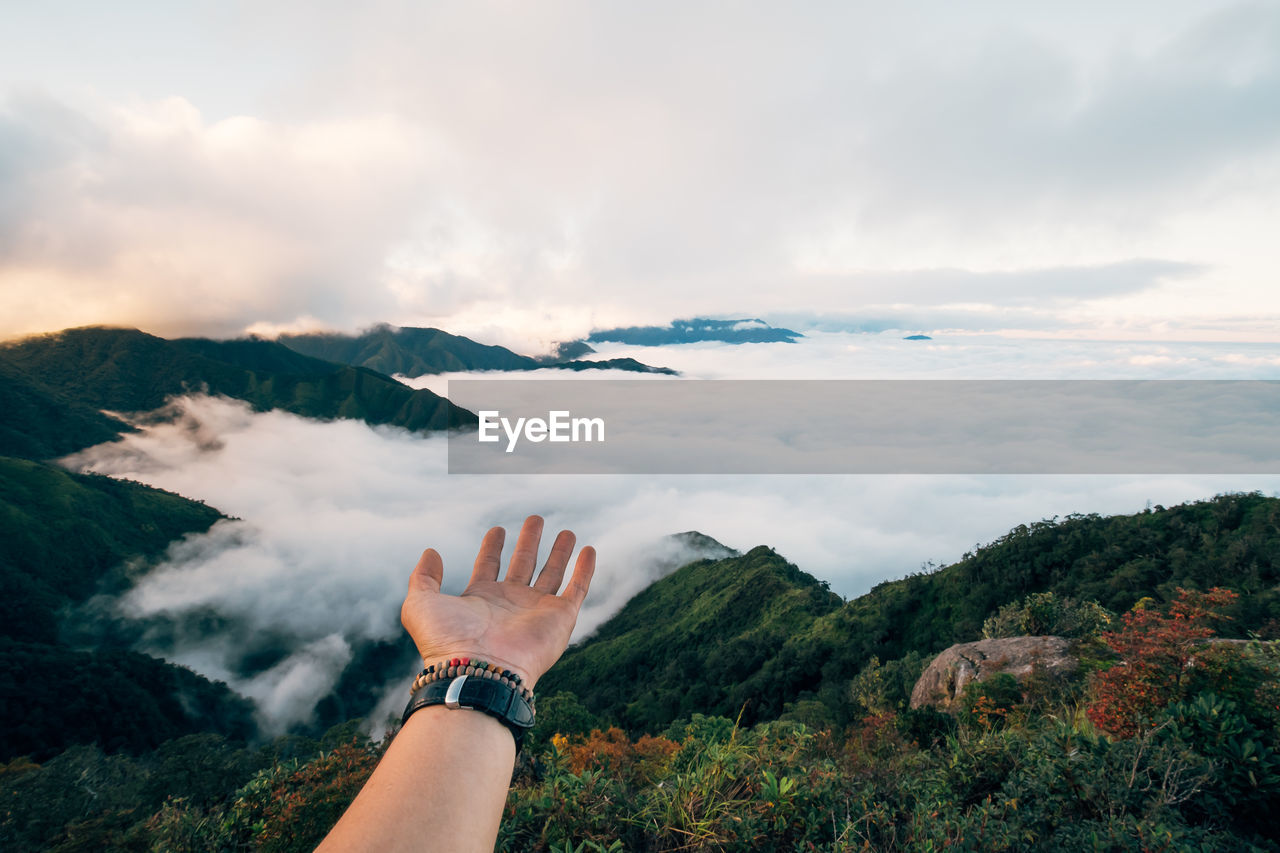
[(521, 627)]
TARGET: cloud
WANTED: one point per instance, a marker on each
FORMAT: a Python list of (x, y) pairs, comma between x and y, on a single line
[(990, 297), (147, 215), (829, 351), (534, 173), (1012, 120)]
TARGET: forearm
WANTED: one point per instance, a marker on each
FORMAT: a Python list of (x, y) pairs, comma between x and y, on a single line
[(443, 781), (441, 786)]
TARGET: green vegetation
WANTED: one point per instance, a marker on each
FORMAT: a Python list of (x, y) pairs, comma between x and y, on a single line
[(38, 422), (1011, 774), (127, 370), (413, 352), (52, 697), (63, 538), (408, 351), (1043, 613), (754, 635), (687, 642), (246, 798), (737, 704)]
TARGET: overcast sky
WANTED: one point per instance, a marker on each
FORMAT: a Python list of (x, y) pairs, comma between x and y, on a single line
[(525, 172)]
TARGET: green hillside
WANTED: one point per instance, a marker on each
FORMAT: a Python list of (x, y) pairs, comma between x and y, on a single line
[(61, 534), (52, 697), (63, 538), (411, 351), (130, 371), (39, 422), (751, 633), (408, 351), (681, 645), (1011, 771)]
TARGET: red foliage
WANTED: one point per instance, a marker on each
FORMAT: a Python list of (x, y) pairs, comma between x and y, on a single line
[(612, 750), (1156, 652)]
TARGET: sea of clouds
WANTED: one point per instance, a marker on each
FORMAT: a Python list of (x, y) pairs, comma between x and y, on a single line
[(328, 518)]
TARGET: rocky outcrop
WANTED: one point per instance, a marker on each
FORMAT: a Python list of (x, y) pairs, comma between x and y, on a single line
[(945, 679)]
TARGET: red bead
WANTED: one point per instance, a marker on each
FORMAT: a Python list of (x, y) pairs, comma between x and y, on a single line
[(465, 662), (453, 662)]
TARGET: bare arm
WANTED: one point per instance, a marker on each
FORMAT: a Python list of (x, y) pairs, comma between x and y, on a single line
[(442, 783)]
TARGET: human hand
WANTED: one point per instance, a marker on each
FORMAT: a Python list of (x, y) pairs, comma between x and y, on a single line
[(522, 628)]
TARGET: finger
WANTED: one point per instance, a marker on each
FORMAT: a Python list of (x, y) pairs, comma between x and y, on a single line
[(525, 557), (553, 572), (428, 574), (490, 557), (576, 591)]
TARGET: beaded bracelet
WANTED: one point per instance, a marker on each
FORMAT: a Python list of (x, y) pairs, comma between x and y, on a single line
[(454, 667)]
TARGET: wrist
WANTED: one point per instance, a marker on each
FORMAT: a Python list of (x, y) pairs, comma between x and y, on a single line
[(464, 684), (437, 657), (481, 670)]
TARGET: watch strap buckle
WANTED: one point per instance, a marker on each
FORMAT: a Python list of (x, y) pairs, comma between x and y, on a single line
[(453, 695)]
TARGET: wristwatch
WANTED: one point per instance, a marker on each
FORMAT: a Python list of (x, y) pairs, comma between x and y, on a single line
[(480, 694)]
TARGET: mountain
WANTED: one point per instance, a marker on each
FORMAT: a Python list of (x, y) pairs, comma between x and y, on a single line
[(629, 364), (755, 634), (62, 533), (375, 663), (408, 351), (1009, 772), (130, 371), (706, 547), (414, 352), (53, 697), (63, 538), (567, 351), (751, 331), (684, 643), (39, 422)]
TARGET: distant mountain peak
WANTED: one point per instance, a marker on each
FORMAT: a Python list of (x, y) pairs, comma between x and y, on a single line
[(702, 542), (697, 330), (416, 351)]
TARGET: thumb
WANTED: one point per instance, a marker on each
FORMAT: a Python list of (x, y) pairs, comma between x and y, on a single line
[(428, 573)]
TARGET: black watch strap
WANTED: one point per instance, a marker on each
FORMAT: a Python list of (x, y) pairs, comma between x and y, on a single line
[(481, 694)]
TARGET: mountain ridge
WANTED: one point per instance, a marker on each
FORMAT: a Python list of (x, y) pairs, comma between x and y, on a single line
[(127, 370), (635, 666), (413, 351), (632, 671), (696, 330), (40, 422), (63, 538)]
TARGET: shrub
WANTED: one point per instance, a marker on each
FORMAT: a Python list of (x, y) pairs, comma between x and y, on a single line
[(1156, 652), (882, 688), (988, 702), (1045, 613), (1244, 787)]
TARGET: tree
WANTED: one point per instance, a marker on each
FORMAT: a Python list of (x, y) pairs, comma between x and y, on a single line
[(1157, 652)]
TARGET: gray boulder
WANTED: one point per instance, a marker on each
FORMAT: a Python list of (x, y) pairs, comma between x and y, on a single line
[(944, 680)]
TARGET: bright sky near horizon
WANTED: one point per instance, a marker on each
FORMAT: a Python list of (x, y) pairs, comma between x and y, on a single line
[(525, 172)]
